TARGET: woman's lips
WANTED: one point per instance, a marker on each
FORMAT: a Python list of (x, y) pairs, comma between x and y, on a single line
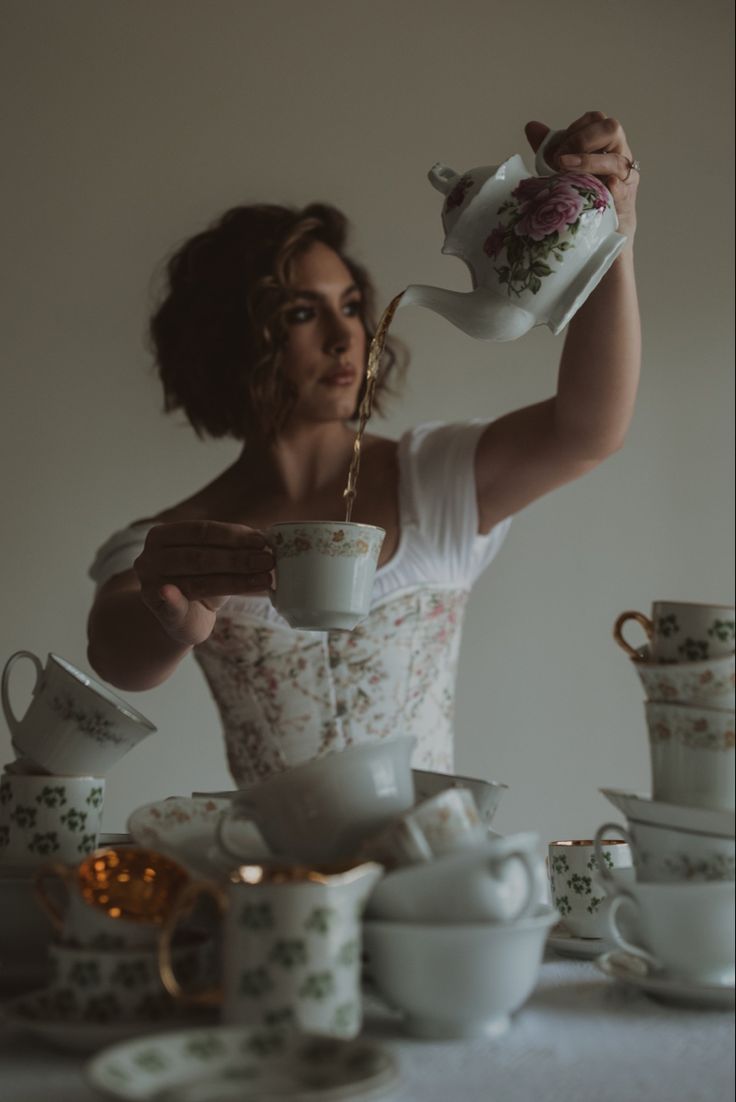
[(344, 376)]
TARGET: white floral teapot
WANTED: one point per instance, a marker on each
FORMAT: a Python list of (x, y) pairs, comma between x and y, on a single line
[(536, 246)]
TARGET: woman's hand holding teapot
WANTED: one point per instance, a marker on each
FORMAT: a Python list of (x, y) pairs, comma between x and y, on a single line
[(596, 145)]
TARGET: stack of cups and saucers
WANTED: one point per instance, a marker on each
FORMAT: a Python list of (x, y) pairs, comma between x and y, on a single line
[(671, 917), (383, 881), (80, 910)]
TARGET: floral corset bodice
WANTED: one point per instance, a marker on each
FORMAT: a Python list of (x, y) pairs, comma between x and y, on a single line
[(286, 696)]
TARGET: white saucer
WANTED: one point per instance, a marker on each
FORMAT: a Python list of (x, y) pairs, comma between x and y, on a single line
[(566, 944), (643, 809), (229, 1063), (667, 989), (32, 1014)]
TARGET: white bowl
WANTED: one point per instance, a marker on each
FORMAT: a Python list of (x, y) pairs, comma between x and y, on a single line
[(324, 809), (457, 981)]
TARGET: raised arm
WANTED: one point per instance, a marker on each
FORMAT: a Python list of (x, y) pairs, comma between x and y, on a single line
[(531, 451)]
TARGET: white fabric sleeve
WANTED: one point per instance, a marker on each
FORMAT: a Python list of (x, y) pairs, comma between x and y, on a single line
[(118, 553), (445, 506)]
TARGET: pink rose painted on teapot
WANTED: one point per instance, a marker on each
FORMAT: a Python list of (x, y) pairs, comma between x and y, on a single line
[(536, 246)]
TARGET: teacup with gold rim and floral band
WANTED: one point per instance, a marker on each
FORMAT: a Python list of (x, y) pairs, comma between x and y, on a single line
[(710, 683), (115, 898), (681, 930), (43, 817), (74, 725), (324, 572), (681, 631), (666, 854), (291, 953), (576, 881), (692, 754)]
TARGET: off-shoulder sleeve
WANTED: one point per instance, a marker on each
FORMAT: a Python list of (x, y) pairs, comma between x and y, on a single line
[(441, 466), (118, 553)]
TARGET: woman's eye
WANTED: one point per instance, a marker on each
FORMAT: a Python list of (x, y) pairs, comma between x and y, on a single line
[(352, 309), (299, 315)]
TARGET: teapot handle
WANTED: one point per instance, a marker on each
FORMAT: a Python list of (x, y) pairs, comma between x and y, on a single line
[(541, 166)]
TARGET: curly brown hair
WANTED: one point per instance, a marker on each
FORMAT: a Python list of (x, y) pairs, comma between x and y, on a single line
[(219, 329)]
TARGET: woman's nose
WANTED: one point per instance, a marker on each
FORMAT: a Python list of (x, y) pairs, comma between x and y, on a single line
[(337, 334)]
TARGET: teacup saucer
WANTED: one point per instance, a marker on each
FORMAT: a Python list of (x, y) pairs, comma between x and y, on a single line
[(32, 1014), (566, 944), (184, 829), (224, 1063), (667, 989)]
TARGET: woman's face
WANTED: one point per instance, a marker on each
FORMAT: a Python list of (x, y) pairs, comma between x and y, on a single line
[(325, 354)]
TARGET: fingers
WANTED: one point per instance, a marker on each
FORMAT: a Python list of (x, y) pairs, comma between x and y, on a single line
[(597, 135), (598, 164), (179, 562), (205, 533), (536, 132), (220, 585)]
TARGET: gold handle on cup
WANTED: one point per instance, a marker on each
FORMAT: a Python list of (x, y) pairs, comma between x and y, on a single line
[(46, 872), (183, 906), (643, 622)]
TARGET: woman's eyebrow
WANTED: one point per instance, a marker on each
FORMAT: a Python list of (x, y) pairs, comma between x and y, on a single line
[(317, 296)]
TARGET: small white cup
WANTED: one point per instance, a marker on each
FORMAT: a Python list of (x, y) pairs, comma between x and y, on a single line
[(705, 684), (692, 754), (684, 930), (681, 631), (487, 794), (74, 726), (577, 875), (324, 809), (324, 572), (443, 824), (496, 881), (666, 854)]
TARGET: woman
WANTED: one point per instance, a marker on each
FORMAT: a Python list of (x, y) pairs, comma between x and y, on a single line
[(263, 336)]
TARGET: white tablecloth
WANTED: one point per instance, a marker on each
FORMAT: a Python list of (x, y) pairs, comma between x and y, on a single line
[(580, 1038)]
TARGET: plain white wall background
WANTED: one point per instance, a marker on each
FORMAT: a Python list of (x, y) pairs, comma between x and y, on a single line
[(130, 125)]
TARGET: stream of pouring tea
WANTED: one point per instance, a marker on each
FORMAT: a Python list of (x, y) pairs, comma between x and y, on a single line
[(366, 406)]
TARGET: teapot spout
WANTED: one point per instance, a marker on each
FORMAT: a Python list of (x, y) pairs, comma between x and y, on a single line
[(479, 313)]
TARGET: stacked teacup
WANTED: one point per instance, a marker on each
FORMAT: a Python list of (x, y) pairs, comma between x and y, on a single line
[(453, 924), (682, 837), (51, 796)]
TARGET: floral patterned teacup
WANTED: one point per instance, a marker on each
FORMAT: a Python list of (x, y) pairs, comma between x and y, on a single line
[(74, 726), (447, 822), (667, 854), (291, 946), (692, 753), (107, 985), (706, 684), (324, 572), (577, 884), (680, 631), (44, 817)]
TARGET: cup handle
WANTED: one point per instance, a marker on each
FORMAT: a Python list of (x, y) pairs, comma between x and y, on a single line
[(54, 869), (223, 819), (603, 870), (609, 911), (642, 620), (542, 167), (184, 904), (13, 723), (530, 900)]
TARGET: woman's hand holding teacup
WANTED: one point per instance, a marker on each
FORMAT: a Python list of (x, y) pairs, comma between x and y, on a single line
[(189, 569)]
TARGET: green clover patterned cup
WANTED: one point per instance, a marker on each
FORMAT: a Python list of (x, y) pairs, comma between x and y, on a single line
[(682, 631), (576, 881), (291, 946), (43, 818), (692, 754), (74, 725), (121, 984), (324, 572)]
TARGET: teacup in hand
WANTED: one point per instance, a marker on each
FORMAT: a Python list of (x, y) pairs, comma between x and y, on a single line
[(324, 572)]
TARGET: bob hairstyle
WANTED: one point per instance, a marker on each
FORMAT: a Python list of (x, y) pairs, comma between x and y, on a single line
[(218, 331)]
